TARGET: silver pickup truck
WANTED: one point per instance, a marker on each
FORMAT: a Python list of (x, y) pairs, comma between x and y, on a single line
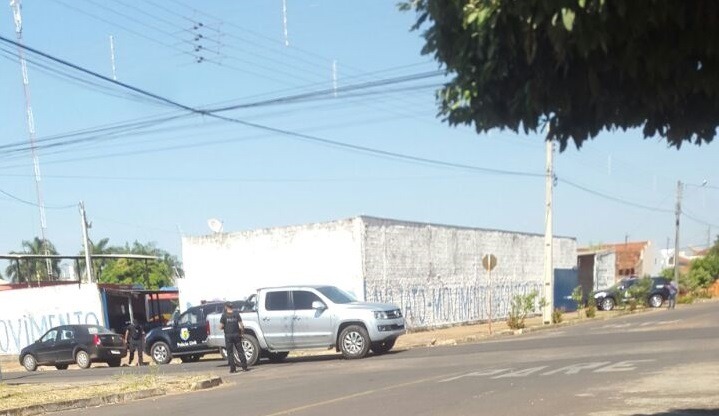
[(303, 317)]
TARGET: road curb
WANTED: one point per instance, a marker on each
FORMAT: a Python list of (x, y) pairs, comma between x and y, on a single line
[(103, 400), (206, 384), (83, 403)]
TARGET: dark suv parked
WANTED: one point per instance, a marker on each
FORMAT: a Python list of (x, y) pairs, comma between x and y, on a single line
[(186, 335), (608, 298), (74, 344)]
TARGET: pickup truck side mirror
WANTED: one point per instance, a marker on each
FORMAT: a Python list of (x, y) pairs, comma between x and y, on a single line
[(317, 305)]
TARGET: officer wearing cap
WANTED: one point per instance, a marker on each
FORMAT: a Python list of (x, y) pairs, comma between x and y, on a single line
[(231, 323)]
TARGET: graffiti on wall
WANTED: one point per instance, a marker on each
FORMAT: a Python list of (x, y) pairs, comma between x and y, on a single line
[(17, 333), (26, 314), (432, 305)]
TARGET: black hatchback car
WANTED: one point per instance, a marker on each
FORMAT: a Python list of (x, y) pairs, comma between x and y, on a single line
[(608, 298), (74, 344)]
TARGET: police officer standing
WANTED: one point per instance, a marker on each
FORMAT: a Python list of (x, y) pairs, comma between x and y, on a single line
[(135, 340), (231, 323)]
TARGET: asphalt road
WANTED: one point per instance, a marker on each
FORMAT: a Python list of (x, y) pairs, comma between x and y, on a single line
[(657, 363)]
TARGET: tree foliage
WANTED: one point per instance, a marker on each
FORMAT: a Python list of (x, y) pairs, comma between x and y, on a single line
[(34, 269), (583, 66), (152, 274)]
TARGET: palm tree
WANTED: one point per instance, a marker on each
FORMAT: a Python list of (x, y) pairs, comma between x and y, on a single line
[(34, 269), (101, 247)]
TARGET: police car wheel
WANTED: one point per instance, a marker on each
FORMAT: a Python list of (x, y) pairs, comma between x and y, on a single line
[(223, 353), (160, 353)]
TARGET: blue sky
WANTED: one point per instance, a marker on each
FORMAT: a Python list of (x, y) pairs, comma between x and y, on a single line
[(174, 180)]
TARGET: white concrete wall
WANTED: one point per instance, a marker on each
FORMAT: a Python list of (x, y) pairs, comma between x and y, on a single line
[(26, 314), (233, 266), (605, 270), (434, 272)]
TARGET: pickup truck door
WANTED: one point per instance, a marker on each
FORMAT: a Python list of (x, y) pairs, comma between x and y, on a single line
[(276, 319), (310, 327)]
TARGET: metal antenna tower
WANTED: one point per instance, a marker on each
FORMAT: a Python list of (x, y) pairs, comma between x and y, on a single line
[(17, 17)]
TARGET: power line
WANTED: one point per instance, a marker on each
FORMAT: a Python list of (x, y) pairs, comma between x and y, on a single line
[(613, 198), (698, 220), (33, 204)]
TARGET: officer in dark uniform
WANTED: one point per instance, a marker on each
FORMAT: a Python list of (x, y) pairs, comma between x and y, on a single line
[(135, 340), (231, 323)]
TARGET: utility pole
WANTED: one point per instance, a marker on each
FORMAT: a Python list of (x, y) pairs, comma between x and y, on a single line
[(17, 18), (86, 243), (678, 214), (709, 236), (548, 235), (112, 57)]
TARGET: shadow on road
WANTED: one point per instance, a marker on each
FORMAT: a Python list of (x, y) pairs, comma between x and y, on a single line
[(683, 412)]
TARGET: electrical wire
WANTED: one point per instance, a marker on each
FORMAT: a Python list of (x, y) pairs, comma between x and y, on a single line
[(26, 202)]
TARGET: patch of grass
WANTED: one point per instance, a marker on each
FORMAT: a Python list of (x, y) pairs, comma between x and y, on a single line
[(14, 396)]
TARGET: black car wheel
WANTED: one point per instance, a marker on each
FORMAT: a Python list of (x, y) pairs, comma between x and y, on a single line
[(114, 363), (61, 366), (82, 359), (29, 362), (160, 353), (607, 304), (656, 300)]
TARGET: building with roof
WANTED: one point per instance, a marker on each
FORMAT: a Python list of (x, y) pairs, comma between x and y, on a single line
[(432, 271)]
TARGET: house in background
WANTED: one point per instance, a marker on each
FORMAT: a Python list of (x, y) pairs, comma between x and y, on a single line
[(685, 258)]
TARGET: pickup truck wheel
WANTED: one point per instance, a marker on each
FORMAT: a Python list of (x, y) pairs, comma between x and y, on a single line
[(354, 342), (160, 353), (277, 357), (252, 350), (382, 347)]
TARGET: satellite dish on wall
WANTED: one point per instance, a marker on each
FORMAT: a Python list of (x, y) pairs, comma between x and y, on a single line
[(215, 225)]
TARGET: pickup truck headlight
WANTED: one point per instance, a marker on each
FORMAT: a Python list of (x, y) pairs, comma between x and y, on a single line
[(380, 315), (388, 314)]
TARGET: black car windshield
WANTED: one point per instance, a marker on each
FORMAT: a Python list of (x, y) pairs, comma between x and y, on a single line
[(336, 295)]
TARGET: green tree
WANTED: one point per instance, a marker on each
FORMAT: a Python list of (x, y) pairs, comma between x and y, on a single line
[(152, 274), (582, 66), (34, 269), (101, 247), (639, 291)]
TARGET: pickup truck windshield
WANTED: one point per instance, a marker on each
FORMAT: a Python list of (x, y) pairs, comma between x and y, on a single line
[(336, 295)]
